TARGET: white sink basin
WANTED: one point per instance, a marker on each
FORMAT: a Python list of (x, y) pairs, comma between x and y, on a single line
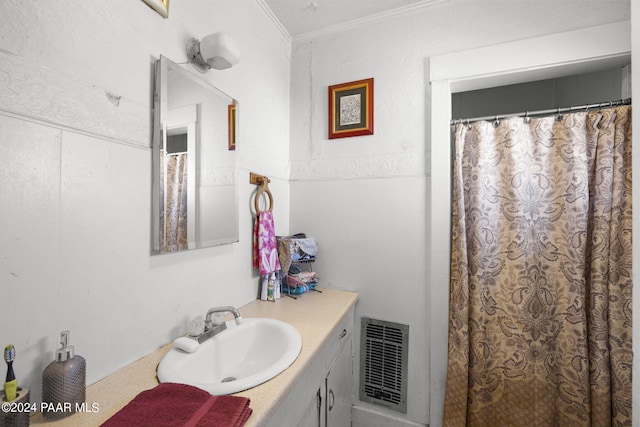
[(241, 357)]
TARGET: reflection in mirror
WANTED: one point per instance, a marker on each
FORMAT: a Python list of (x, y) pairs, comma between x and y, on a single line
[(195, 130)]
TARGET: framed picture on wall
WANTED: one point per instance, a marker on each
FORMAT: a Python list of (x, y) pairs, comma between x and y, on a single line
[(160, 6), (351, 109), (232, 125)]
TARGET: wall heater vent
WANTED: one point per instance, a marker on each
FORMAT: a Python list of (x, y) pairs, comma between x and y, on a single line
[(383, 363)]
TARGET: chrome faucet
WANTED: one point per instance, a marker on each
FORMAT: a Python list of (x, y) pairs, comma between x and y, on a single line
[(211, 328), (208, 323)]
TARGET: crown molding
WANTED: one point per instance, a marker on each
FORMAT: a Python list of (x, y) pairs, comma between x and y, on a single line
[(273, 18), (376, 17)]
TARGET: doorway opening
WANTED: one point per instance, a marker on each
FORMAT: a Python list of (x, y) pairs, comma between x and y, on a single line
[(487, 67)]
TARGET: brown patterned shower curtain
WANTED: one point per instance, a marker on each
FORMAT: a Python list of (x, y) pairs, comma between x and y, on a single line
[(174, 218), (540, 295)]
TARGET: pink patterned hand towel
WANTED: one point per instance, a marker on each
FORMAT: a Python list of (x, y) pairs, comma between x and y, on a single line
[(267, 246), (266, 255)]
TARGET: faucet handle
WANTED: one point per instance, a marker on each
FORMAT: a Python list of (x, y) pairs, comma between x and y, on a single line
[(196, 326)]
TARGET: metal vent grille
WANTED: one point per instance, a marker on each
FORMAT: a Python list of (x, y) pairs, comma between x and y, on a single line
[(383, 363)]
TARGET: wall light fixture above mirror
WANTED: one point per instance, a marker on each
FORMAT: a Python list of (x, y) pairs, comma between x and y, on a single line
[(195, 202), (215, 51)]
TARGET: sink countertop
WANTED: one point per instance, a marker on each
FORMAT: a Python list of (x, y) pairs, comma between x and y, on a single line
[(314, 315)]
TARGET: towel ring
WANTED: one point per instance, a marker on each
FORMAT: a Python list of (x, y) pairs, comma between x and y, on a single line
[(264, 188)]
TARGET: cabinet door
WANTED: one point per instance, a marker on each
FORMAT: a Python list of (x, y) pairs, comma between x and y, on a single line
[(311, 416), (338, 389)]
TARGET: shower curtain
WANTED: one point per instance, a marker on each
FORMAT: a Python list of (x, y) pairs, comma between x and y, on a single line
[(540, 292), (175, 214)]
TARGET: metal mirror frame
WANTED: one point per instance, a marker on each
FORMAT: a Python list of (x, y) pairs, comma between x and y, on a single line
[(163, 67)]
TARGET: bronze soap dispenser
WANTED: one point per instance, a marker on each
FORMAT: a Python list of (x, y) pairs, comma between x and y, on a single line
[(64, 382)]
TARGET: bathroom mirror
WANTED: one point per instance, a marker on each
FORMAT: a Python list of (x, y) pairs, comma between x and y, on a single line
[(195, 203)]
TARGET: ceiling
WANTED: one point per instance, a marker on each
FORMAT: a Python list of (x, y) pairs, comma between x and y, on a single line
[(300, 17)]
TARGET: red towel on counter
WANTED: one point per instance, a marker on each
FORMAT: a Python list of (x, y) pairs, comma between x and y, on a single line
[(180, 405)]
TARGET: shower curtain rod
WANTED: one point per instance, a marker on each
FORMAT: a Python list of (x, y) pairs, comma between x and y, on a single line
[(587, 107)]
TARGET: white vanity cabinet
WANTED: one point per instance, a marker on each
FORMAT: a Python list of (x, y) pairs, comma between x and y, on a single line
[(322, 396)]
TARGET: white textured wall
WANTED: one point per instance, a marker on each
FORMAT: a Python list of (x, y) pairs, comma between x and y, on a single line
[(75, 180), (365, 199)]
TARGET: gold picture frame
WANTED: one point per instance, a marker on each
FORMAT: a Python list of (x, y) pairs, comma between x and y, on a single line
[(160, 6), (351, 109), (232, 125)]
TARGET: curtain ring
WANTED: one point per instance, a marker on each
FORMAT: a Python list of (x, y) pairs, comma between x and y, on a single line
[(558, 115), (496, 122), (526, 118)]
